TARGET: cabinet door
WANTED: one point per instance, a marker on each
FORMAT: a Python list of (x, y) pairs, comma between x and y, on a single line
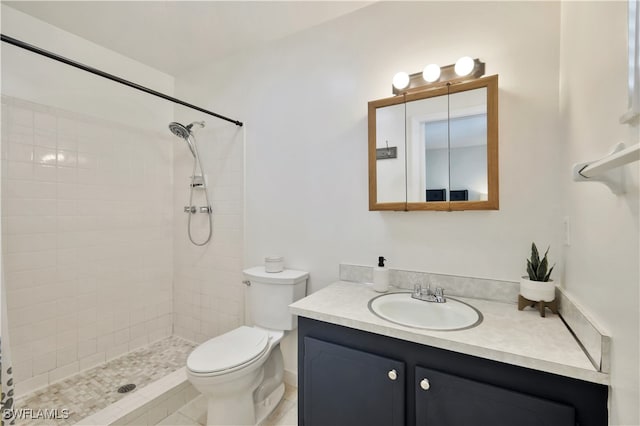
[(453, 401), (343, 386)]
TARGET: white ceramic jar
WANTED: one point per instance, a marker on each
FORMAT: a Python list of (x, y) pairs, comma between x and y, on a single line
[(274, 264)]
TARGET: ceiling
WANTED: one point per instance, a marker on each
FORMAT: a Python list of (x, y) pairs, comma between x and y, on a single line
[(175, 36)]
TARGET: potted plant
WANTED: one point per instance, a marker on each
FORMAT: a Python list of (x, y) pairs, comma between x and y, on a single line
[(537, 286)]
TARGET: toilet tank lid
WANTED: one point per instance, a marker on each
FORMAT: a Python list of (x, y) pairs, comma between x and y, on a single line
[(286, 276)]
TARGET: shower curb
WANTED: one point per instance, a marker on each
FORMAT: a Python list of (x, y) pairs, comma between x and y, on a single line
[(148, 405)]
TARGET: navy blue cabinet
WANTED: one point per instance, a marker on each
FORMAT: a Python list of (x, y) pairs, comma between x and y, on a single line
[(346, 387), (445, 399), (355, 378)]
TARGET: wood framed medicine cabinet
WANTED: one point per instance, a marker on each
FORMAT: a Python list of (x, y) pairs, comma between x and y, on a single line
[(435, 148)]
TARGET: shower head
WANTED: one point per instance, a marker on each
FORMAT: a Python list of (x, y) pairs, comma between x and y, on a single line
[(179, 130), (183, 132)]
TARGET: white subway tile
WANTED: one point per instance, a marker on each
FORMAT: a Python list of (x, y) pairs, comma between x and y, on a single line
[(116, 351), (22, 352), (45, 122), (22, 370), (21, 243), (67, 175), (67, 158), (45, 173), (88, 269), (121, 336), (87, 331), (66, 339), (87, 347), (20, 170), (92, 361), (105, 343), (20, 135), (44, 139), (32, 384), (21, 116), (67, 142), (45, 345), (66, 355), (139, 342), (45, 155), (62, 372), (29, 260), (67, 323), (44, 363)]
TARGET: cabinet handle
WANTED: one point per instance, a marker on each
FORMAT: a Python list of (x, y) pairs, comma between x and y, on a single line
[(424, 384), (392, 374)]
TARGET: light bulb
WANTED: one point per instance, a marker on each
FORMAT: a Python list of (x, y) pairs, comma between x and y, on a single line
[(464, 66), (431, 73), (401, 80)]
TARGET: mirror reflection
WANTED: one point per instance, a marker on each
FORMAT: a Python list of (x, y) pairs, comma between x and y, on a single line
[(390, 131), (446, 149)]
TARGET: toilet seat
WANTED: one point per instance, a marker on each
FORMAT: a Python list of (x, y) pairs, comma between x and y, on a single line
[(229, 351)]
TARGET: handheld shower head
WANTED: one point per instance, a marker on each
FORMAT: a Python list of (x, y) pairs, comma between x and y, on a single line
[(183, 132), (179, 130)]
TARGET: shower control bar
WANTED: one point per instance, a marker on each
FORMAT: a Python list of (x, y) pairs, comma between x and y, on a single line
[(201, 209), (56, 57)]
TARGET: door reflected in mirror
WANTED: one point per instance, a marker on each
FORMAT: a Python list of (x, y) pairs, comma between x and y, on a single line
[(468, 145)]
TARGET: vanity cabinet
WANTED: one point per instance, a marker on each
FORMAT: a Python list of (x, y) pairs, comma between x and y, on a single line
[(352, 377), (339, 383), (445, 399)]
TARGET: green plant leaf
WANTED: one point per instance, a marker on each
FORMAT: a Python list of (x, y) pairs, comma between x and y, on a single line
[(546, 277), (535, 257), (542, 269), (531, 271)]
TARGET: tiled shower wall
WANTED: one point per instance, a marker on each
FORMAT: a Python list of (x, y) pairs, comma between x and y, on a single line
[(208, 289), (87, 217)]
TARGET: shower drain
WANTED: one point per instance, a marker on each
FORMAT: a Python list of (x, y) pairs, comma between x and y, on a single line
[(126, 388)]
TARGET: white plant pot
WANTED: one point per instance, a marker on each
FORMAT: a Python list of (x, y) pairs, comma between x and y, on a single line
[(537, 290)]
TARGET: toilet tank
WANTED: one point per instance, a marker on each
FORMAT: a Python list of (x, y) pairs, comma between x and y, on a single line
[(271, 293)]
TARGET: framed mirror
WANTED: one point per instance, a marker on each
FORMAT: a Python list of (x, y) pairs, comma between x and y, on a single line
[(435, 148)]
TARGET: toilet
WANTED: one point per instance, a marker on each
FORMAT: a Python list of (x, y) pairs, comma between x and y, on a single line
[(241, 372)]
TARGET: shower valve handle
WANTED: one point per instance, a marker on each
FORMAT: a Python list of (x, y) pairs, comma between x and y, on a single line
[(190, 209)]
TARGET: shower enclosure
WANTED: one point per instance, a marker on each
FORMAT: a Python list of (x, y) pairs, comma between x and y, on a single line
[(95, 251)]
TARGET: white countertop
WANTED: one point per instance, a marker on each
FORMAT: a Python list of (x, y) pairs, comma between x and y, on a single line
[(507, 335)]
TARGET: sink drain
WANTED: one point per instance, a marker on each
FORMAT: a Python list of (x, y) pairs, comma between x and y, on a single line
[(126, 388)]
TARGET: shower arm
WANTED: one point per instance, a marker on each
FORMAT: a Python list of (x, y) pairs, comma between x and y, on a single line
[(56, 57)]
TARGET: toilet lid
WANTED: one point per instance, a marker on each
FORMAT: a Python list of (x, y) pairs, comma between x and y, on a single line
[(229, 350)]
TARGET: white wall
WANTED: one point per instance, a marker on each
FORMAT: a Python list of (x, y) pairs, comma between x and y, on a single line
[(86, 206), (28, 76), (304, 99), (601, 262)]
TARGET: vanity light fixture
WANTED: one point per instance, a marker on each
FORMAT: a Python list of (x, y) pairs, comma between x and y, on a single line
[(401, 80), (465, 68), (431, 73)]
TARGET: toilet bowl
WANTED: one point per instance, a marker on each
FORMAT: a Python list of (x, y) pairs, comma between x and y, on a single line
[(241, 372)]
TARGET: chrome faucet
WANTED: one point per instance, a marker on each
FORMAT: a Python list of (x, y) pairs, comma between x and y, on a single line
[(425, 294)]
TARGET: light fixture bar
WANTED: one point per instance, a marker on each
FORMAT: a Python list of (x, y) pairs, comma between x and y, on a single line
[(447, 73)]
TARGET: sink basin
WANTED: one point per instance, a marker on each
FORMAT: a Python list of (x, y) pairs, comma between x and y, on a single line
[(402, 309)]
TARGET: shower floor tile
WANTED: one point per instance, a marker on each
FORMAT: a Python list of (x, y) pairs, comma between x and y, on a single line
[(90, 391)]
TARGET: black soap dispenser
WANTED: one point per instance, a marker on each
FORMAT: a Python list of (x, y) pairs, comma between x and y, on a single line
[(381, 276)]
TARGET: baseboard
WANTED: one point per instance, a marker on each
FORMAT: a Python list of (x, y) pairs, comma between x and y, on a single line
[(291, 378)]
